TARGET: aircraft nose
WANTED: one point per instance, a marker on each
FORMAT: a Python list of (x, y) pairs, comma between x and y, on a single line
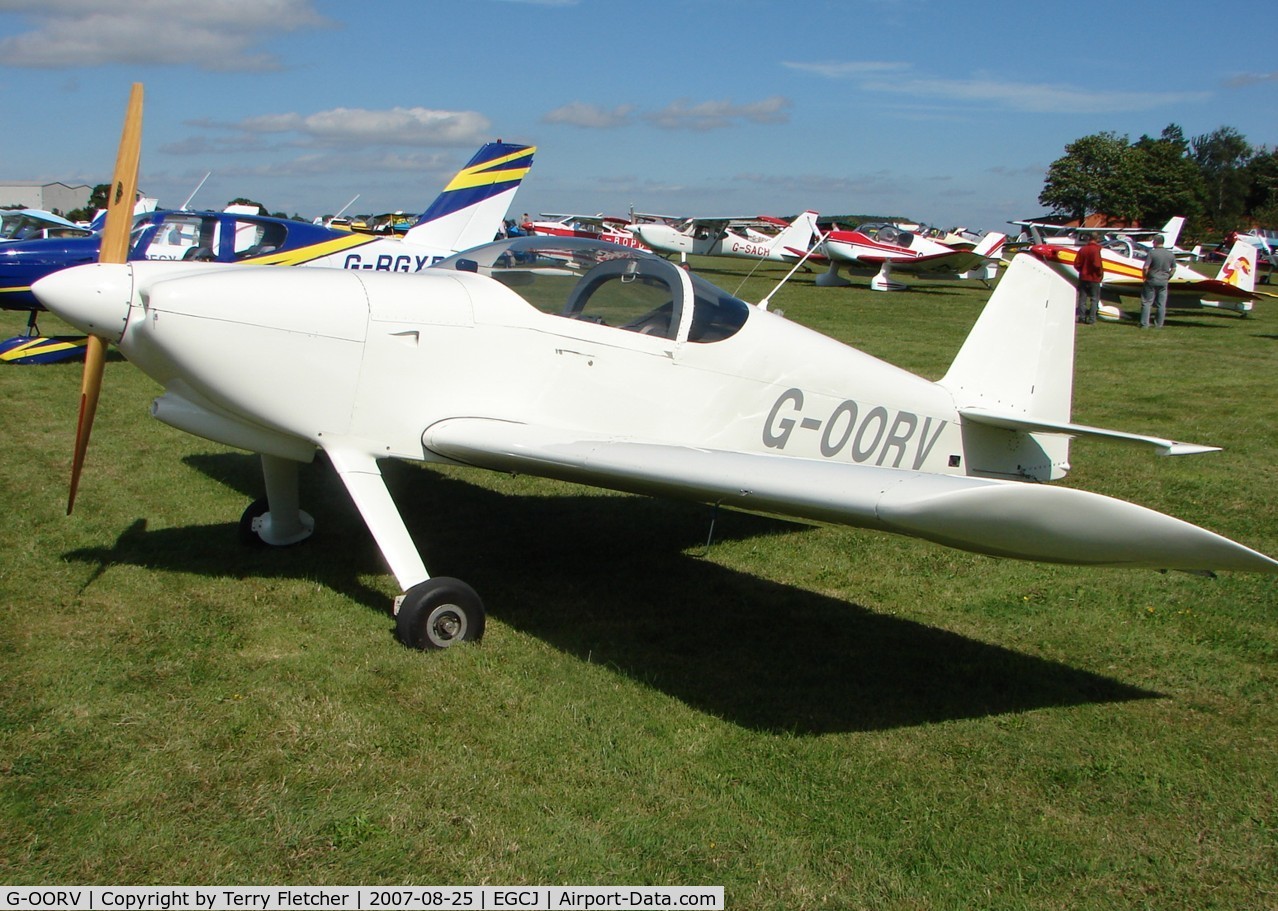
[(94, 298)]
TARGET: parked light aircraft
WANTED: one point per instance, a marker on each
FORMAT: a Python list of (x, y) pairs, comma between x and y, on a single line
[(1232, 289), (881, 247), (590, 362), (610, 228), (1126, 241), (736, 237), (468, 212), (36, 224)]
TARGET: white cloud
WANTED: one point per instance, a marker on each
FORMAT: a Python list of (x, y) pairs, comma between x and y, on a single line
[(1245, 79), (1038, 98), (890, 78), (358, 127), (713, 115), (210, 35), (847, 69), (590, 116)]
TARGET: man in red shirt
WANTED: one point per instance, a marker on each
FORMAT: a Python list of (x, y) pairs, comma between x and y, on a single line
[(1091, 270)]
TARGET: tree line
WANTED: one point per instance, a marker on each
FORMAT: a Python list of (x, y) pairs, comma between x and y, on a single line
[(1218, 181)]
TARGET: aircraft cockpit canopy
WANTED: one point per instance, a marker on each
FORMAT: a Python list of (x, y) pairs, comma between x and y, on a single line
[(608, 284), (888, 234)]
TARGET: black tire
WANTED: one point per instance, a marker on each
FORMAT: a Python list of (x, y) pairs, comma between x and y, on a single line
[(255, 510), (439, 613)]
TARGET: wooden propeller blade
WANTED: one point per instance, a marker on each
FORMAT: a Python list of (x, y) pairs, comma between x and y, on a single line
[(90, 386), (115, 249)]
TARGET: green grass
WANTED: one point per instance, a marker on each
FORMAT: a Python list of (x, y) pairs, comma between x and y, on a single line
[(811, 717)]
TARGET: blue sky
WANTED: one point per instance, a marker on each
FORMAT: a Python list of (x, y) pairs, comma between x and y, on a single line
[(943, 112)]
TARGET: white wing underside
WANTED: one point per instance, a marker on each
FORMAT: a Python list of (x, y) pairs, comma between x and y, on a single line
[(1000, 518)]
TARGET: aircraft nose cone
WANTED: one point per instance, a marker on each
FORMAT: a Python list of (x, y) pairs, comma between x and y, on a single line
[(94, 298)]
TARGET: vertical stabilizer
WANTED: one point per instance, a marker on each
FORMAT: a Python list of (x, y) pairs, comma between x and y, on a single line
[(798, 235), (991, 244), (1018, 361), (470, 210), (1171, 231), (1239, 269)]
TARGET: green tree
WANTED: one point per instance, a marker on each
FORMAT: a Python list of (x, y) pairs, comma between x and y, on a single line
[(1222, 157), (1169, 180), (1262, 198), (97, 200), (241, 201), (1097, 173)]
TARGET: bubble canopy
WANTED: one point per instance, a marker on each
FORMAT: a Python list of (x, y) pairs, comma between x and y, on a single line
[(608, 284)]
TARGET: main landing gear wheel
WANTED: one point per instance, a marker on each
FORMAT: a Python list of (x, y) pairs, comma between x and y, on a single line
[(439, 613), (255, 511), (260, 528)]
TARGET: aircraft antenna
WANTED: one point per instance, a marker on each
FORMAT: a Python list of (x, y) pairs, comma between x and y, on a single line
[(187, 205), (343, 209), (763, 304)]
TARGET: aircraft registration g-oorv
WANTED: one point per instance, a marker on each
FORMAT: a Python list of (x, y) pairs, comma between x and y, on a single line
[(736, 237), (1234, 287), (468, 212), (881, 247), (593, 363)]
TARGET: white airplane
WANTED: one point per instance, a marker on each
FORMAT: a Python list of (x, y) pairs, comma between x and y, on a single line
[(37, 224), (880, 248), (736, 237), (1233, 288), (1125, 241), (593, 363)]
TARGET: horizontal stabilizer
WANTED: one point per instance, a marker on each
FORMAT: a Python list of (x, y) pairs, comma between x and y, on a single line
[(1001, 518), (1026, 425)]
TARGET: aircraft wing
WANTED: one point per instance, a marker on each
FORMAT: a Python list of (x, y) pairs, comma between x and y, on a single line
[(1214, 288), (953, 262), (995, 517)]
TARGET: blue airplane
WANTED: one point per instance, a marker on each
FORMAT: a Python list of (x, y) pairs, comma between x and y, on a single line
[(468, 212)]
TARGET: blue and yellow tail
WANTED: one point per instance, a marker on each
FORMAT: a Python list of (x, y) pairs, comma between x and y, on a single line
[(470, 210)]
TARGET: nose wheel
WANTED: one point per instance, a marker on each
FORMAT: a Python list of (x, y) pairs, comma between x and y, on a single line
[(439, 613)]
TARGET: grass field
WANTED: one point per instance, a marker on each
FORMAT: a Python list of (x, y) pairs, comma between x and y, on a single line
[(810, 717)]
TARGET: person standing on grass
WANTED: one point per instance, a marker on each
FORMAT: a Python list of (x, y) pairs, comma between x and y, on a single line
[(1158, 272), (1091, 271)]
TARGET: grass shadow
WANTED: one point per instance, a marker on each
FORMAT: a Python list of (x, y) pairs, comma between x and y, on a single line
[(615, 580)]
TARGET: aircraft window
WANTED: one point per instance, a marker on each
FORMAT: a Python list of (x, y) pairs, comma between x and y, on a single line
[(257, 238), (716, 314), (627, 294), (176, 238), (605, 283)]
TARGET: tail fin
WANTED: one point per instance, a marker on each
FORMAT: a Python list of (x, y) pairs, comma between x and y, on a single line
[(797, 236), (990, 244), (1171, 231), (1018, 363), (471, 208), (1239, 269)]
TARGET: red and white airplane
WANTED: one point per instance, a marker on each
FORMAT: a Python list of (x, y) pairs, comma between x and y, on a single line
[(1232, 289), (610, 228), (882, 247), (762, 237)]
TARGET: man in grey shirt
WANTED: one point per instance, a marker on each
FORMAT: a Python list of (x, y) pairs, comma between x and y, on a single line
[(1158, 272)]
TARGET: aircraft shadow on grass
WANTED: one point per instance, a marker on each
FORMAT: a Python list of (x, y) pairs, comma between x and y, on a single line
[(616, 581)]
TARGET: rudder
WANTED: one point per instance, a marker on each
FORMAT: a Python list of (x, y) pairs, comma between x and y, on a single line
[(471, 208)]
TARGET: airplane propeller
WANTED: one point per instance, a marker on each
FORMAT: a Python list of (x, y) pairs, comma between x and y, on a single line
[(115, 249)]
